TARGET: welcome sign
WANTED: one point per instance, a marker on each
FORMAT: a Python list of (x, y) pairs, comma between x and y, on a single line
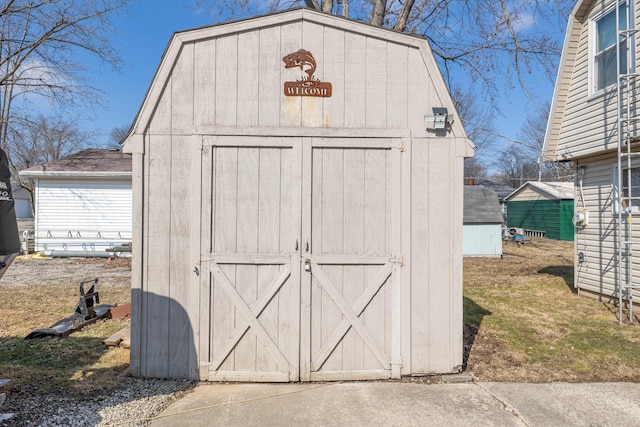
[(308, 85)]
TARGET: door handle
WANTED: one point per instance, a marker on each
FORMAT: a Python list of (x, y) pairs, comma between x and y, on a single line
[(296, 249), (306, 248)]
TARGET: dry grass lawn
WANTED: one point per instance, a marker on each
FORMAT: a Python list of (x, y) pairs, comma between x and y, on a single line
[(525, 322)]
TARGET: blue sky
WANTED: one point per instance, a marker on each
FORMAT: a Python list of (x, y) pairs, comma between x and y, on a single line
[(145, 31)]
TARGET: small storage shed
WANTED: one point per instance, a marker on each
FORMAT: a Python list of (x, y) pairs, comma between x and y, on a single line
[(22, 200), (295, 216), (482, 232), (542, 207), (83, 203)]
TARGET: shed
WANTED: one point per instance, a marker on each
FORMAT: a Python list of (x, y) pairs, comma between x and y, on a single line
[(482, 231), (83, 203), (22, 200), (542, 208), (295, 216)]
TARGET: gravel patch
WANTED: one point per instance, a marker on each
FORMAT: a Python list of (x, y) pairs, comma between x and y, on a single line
[(131, 404)]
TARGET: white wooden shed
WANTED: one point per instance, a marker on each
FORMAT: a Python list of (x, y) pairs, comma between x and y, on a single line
[(482, 230), (295, 216)]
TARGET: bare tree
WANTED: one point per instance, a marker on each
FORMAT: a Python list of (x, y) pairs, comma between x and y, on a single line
[(479, 124), (477, 120), (516, 166), (486, 40), (117, 135), (531, 138), (475, 169), (42, 140), (39, 45)]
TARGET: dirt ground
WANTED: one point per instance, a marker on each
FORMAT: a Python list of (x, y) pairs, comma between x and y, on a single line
[(67, 271)]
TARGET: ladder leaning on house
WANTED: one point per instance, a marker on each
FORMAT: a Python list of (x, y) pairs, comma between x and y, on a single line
[(628, 122)]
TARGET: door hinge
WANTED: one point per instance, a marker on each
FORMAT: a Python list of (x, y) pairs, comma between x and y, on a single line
[(397, 260)]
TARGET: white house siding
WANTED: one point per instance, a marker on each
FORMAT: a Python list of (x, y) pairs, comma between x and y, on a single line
[(597, 274), (588, 122), (82, 215), (227, 81), (583, 129)]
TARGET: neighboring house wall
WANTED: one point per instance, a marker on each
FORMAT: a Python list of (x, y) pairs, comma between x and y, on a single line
[(588, 117), (596, 241), (82, 215), (583, 129)]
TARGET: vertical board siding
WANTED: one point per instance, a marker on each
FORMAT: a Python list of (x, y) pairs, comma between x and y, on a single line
[(237, 80), (351, 213), (355, 57), (439, 191), (248, 79), (290, 106), (397, 85), (227, 79), (204, 82), (420, 255), (375, 76), (182, 86), (88, 215), (334, 72), (252, 192), (313, 107), (157, 292)]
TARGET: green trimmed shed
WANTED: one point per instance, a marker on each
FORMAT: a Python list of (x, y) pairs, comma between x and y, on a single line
[(542, 207)]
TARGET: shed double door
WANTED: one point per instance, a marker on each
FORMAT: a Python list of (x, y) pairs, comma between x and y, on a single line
[(299, 238)]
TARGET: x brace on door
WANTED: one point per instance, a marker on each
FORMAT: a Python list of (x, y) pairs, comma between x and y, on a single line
[(250, 314), (351, 316)]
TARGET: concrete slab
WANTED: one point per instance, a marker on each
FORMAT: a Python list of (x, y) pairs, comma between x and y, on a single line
[(563, 404), (349, 403)]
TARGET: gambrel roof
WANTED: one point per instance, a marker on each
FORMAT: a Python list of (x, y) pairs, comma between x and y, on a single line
[(294, 19)]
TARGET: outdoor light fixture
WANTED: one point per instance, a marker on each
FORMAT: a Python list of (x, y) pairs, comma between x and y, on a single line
[(440, 118)]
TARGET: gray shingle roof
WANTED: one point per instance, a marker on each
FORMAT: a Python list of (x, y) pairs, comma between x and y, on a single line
[(91, 160), (481, 206)]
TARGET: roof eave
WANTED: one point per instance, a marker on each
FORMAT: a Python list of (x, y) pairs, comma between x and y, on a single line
[(73, 174), (551, 137)]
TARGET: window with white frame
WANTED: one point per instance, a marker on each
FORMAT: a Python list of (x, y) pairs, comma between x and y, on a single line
[(630, 190), (605, 49)]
